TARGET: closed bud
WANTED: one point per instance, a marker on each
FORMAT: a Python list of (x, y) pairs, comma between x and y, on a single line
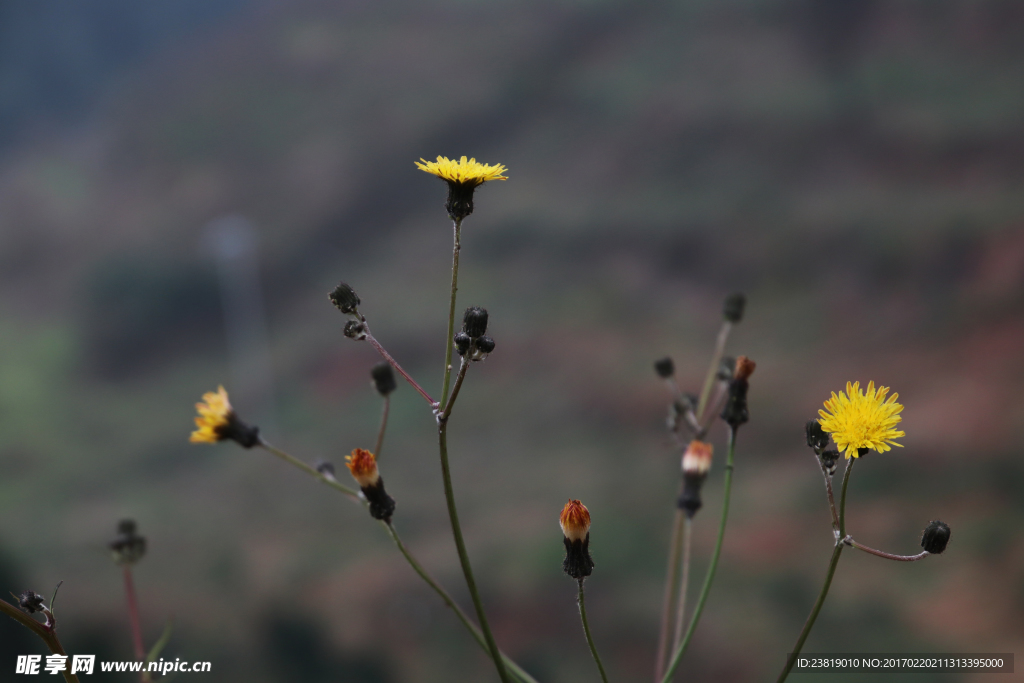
[(383, 378), (31, 602), (462, 343), (829, 460), (128, 547), (935, 537), (575, 523), (816, 437), (733, 308), (665, 367), (345, 298), (474, 322), (735, 412), (355, 330), (485, 344)]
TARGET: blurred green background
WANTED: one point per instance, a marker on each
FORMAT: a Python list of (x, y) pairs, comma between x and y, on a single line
[(854, 167)]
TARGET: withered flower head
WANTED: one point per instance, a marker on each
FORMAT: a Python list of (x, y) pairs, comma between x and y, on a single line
[(462, 176), (217, 421), (575, 523)]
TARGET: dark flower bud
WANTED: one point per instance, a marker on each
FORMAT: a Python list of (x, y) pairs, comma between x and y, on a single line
[(816, 437), (474, 322), (326, 469), (829, 460), (383, 378), (128, 547), (345, 298), (733, 308), (935, 537), (355, 330), (462, 342), (485, 344), (735, 410), (726, 369), (31, 602), (665, 367)]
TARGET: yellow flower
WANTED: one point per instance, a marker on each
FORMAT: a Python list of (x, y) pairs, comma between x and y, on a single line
[(213, 417), (462, 177), (858, 419), (217, 421), (469, 172)]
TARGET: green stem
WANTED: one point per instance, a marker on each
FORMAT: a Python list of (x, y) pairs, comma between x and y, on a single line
[(710, 576), (48, 635), (590, 639), (460, 545), (463, 617), (671, 585), (684, 581), (312, 471), (836, 552), (383, 427), (451, 313)]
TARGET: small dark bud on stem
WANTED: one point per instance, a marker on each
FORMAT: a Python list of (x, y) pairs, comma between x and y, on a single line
[(383, 378), (733, 308), (462, 342), (485, 344), (355, 330), (935, 537), (129, 547), (665, 367), (345, 298), (829, 460), (31, 602), (816, 438), (474, 322), (735, 411)]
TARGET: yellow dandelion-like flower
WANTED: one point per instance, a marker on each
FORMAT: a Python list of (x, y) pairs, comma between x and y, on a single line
[(214, 413), (463, 176), (862, 419), (217, 421)]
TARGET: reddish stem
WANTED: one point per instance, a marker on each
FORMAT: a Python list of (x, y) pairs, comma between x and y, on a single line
[(398, 368), (133, 615)]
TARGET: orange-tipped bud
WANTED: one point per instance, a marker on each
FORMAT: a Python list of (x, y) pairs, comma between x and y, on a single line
[(363, 467), (575, 520), (697, 458), (744, 368)]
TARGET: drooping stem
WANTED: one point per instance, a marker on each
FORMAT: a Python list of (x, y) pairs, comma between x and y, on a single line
[(133, 615), (684, 581), (460, 545), (451, 311), (47, 632), (398, 368), (889, 556), (312, 471), (716, 358), (586, 630), (675, 547), (383, 427), (463, 617), (712, 567), (836, 552)]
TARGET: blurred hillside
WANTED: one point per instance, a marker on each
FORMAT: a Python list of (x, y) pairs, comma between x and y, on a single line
[(855, 167)]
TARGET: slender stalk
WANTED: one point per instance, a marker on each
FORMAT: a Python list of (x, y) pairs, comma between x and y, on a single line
[(383, 427), (716, 358), (460, 545), (133, 614), (831, 501), (712, 567), (889, 556), (455, 391), (586, 630), (312, 471), (671, 575), (398, 368), (683, 582), (463, 617), (451, 311), (47, 632), (836, 552)]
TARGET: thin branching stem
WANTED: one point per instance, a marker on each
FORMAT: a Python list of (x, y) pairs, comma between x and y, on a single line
[(880, 553), (310, 470), (684, 582), (831, 500), (675, 547), (460, 546), (133, 616), (455, 391), (716, 358), (383, 427), (586, 630), (833, 563), (457, 247), (398, 368), (47, 632), (712, 567)]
